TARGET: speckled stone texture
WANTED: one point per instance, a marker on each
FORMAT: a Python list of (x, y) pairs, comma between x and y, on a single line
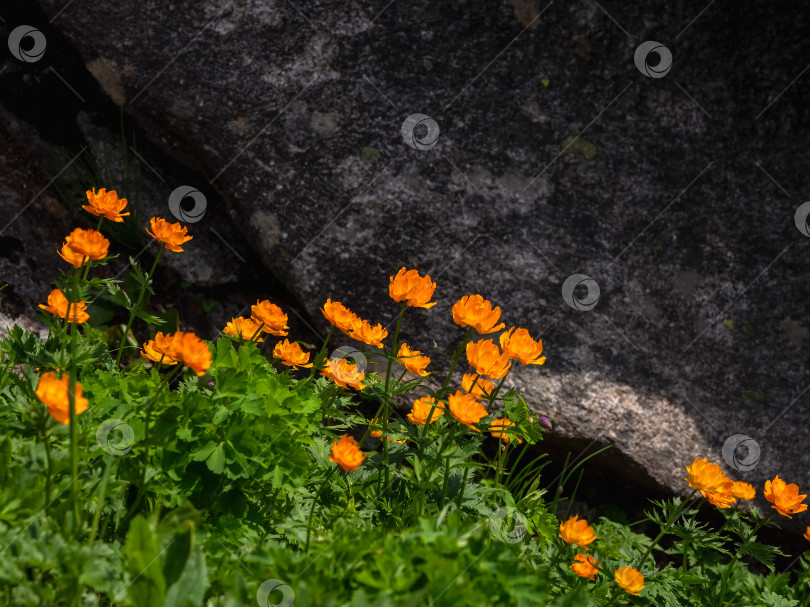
[(678, 198)]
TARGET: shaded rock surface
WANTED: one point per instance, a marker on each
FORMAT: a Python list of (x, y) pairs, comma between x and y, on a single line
[(556, 156)]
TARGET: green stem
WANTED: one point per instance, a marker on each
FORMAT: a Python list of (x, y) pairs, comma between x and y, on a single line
[(677, 513), (319, 358), (74, 456), (102, 496), (315, 503), (257, 332), (47, 460), (386, 395), (727, 571), (456, 356), (461, 488), (137, 306), (495, 393), (446, 442)]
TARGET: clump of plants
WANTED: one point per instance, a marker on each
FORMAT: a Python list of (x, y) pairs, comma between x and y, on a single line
[(186, 473)]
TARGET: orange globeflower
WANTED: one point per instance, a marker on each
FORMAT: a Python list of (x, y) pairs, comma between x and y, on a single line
[(170, 234), (422, 408), (339, 315), (465, 409), (106, 203), (630, 579), (497, 427), (743, 491), (723, 498), (192, 351), (374, 424), (58, 305), (413, 360), (476, 312), (522, 347), (54, 394), (291, 354), (88, 243), (486, 358), (243, 328), (481, 389), (705, 476), (74, 258), (785, 498), (346, 453), (271, 316), (577, 531), (344, 373), (153, 351), (807, 534), (363, 331), (585, 566), (412, 288)]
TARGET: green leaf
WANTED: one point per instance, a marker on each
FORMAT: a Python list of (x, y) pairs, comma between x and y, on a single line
[(216, 461), (177, 554), (147, 586), (189, 590)]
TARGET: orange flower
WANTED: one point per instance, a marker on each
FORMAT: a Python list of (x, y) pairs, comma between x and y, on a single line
[(363, 331), (422, 408), (630, 579), (58, 305), (743, 491), (155, 349), (585, 566), (497, 427), (344, 373), (191, 350), (705, 476), (170, 234), (271, 316), (785, 498), (409, 286), (243, 328), (54, 394), (576, 531), (339, 315), (522, 347), (346, 453), (74, 258), (465, 409), (724, 498), (807, 534), (291, 354), (486, 358), (106, 203), (481, 389), (476, 312), (413, 360), (88, 244)]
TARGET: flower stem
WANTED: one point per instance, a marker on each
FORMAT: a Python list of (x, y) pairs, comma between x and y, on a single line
[(677, 513), (315, 502), (137, 306), (456, 356), (74, 457), (386, 395), (727, 571), (319, 358)]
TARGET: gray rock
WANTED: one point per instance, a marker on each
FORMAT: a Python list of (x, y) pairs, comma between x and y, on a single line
[(556, 156)]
